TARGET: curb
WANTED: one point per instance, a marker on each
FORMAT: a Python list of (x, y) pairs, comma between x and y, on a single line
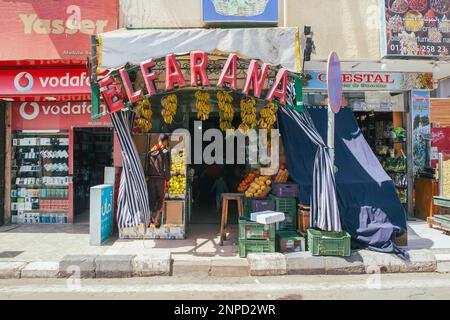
[(263, 264)]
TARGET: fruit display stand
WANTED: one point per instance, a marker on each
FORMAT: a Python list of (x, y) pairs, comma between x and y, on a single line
[(177, 204)]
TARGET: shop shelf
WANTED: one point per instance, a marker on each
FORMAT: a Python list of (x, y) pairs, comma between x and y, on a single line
[(251, 230), (326, 243), (290, 222), (289, 241), (255, 246), (286, 205)]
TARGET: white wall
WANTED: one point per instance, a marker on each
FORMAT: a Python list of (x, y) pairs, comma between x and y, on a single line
[(351, 27)]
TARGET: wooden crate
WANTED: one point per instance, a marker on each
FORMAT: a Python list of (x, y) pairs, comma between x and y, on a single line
[(174, 212)]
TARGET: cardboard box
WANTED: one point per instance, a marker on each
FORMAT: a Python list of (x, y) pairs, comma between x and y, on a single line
[(174, 211)]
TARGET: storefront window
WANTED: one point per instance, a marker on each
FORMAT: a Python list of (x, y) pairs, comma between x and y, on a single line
[(381, 101)]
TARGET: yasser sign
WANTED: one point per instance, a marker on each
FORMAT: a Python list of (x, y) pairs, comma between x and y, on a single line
[(114, 90)]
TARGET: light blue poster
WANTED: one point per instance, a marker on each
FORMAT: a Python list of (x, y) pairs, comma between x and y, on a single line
[(101, 214), (262, 11), (106, 213), (421, 128)]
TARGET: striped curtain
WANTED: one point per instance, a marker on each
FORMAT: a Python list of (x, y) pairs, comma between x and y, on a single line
[(132, 203), (324, 207)]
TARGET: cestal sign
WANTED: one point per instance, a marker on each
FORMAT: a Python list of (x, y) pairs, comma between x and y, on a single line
[(44, 82), (355, 81), (54, 115)]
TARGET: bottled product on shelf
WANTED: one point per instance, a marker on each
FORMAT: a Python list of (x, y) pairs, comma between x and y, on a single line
[(39, 174)]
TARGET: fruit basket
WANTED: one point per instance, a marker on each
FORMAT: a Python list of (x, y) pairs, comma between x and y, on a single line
[(240, 8), (259, 188)]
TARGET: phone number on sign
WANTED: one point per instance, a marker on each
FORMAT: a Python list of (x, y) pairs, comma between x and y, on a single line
[(428, 49)]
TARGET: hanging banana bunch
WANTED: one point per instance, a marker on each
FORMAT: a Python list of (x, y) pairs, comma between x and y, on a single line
[(169, 110), (202, 105), (248, 114), (144, 118), (267, 116), (226, 111)]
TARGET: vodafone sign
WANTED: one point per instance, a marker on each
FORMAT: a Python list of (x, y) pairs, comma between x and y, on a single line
[(44, 82), (54, 115)]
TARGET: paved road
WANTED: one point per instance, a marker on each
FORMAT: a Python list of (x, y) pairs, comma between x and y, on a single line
[(392, 286)]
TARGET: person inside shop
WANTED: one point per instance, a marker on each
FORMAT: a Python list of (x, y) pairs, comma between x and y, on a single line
[(219, 187), (159, 176)]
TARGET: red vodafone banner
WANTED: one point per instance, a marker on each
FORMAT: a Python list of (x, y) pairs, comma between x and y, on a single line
[(44, 82), (54, 115), (49, 29)]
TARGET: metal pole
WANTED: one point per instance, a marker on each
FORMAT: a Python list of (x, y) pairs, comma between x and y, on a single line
[(330, 136)]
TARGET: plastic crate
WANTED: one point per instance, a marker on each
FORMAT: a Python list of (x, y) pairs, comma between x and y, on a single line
[(251, 230), (289, 224), (285, 190), (266, 204), (326, 243), (289, 241), (286, 205), (255, 246), (247, 207)]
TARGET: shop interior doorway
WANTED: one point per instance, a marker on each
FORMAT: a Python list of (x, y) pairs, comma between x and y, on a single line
[(93, 151), (205, 207)]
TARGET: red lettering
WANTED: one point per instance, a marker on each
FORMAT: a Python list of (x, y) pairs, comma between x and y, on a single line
[(112, 91), (149, 76), (173, 73), (276, 91), (229, 73), (388, 79), (132, 96), (378, 78), (369, 77), (322, 77), (199, 61), (256, 77), (358, 78), (347, 77)]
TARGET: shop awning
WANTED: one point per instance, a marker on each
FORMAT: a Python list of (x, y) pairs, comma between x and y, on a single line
[(276, 46)]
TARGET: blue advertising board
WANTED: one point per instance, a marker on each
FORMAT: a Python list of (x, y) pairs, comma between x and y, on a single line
[(421, 128), (251, 11), (107, 213), (101, 213)]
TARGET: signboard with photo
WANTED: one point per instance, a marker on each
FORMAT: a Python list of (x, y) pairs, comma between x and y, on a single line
[(421, 134), (254, 11), (416, 28)]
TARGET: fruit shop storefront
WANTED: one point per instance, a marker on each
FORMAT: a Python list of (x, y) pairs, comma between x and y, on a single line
[(214, 85), (195, 97)]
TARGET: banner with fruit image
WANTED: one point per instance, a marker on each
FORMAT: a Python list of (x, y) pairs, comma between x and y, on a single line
[(416, 28)]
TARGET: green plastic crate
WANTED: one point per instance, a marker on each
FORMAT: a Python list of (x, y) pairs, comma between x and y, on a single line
[(247, 207), (326, 243), (251, 230), (288, 205), (290, 222), (255, 246), (289, 241)]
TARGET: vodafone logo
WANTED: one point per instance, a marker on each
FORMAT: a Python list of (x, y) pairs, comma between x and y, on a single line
[(32, 110), (27, 115), (23, 82)]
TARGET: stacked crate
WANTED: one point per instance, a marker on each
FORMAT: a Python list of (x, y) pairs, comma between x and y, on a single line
[(255, 237), (288, 207)]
